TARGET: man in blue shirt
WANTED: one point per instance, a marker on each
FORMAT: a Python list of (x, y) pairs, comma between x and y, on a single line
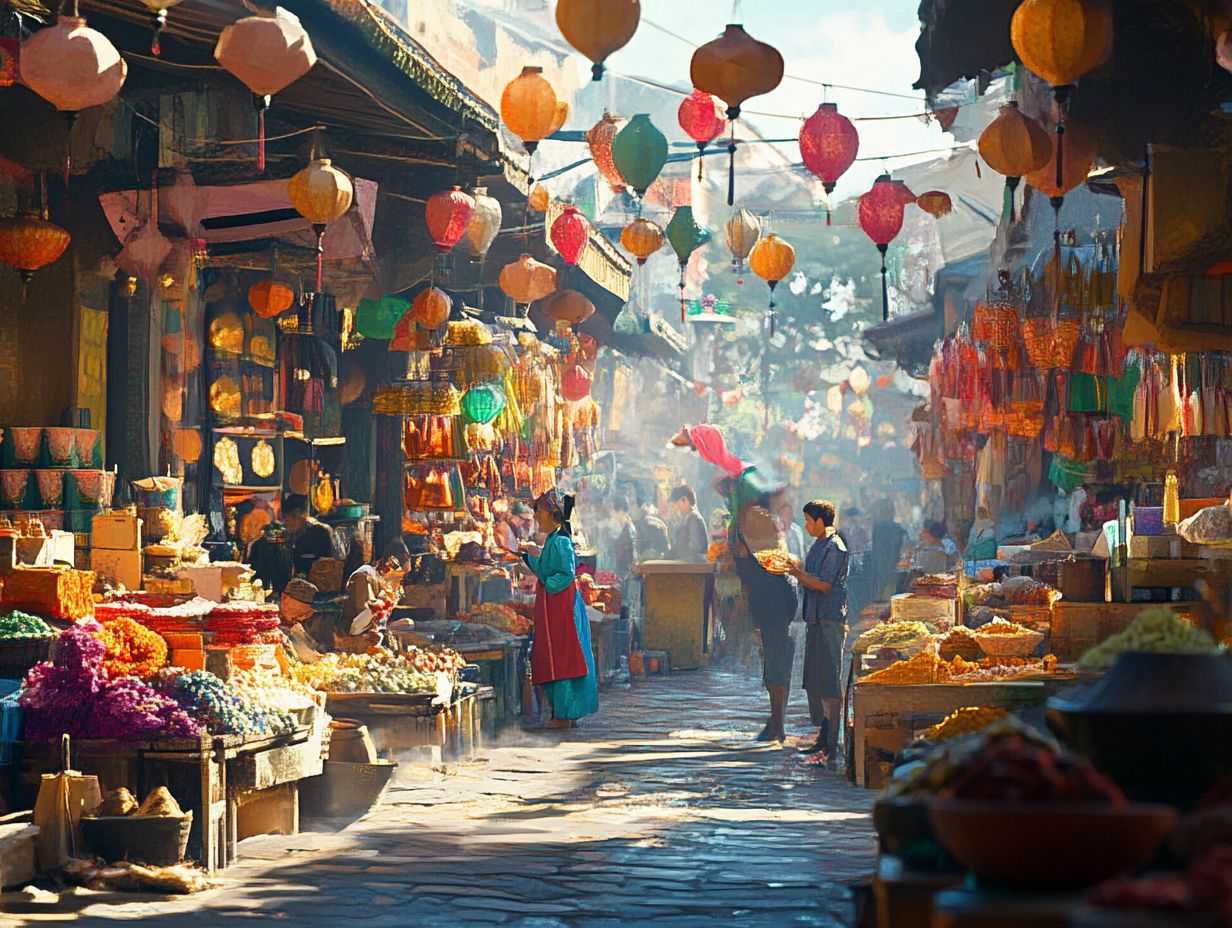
[(823, 578)]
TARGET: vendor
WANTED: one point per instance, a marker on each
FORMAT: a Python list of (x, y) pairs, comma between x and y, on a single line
[(300, 620), (982, 542), (936, 552), (691, 538), (652, 538), (309, 538), (370, 590)]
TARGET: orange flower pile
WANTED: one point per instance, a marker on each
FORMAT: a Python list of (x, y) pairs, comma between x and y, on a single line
[(132, 649)]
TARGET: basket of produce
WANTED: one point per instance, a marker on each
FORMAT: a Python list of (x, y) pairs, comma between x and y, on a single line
[(906, 637), (1000, 638), (960, 642), (776, 561), (25, 640), (156, 832)]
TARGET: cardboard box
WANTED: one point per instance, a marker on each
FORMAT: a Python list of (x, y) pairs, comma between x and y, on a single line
[(121, 566), (37, 552), (188, 659), (1154, 546), (118, 530), (215, 581)]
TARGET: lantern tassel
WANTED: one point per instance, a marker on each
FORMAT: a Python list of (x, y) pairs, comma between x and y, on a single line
[(885, 288), (70, 120), (1056, 256), (773, 314), (732, 113), (828, 214), (1011, 205), (682, 315), (160, 23), (262, 104), (320, 231), (701, 157)]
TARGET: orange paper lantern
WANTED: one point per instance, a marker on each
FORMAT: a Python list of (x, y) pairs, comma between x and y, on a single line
[(187, 445), (320, 193), (568, 306), (539, 199), (1061, 40), (266, 54), (269, 298), (1076, 162), (641, 238), (935, 203), (530, 109), (599, 139), (430, 308), (772, 259), (526, 280), (29, 242), (72, 66), (597, 28), (742, 232), (1015, 145)]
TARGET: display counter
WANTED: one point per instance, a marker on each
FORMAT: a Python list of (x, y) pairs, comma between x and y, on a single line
[(676, 610)]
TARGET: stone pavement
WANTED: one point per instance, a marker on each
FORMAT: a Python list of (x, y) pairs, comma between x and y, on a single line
[(660, 811)]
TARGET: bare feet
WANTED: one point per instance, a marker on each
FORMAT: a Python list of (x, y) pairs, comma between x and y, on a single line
[(562, 723)]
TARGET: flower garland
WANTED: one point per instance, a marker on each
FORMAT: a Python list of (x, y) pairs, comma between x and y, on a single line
[(132, 649)]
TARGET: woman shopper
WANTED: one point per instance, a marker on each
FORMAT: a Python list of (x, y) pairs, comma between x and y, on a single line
[(562, 662)]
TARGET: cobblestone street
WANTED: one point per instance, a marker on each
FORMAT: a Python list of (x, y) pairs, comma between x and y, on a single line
[(660, 811)]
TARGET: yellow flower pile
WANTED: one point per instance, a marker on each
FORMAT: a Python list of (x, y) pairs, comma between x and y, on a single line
[(964, 721)]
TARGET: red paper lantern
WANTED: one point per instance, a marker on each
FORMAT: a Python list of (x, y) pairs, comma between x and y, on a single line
[(828, 144), (269, 298), (570, 234), (430, 308), (448, 214), (575, 384), (599, 138), (881, 218), (699, 116)]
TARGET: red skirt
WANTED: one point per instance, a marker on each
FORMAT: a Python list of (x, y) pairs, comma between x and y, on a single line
[(556, 653)]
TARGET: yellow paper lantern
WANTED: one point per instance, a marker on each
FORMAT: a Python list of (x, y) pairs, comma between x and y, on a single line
[(641, 238), (526, 280), (484, 224), (539, 199), (568, 306), (320, 192), (742, 232), (530, 109), (1061, 40), (772, 259)]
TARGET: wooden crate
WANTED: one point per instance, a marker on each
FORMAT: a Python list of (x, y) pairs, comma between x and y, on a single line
[(1078, 627), (409, 727), (889, 717)]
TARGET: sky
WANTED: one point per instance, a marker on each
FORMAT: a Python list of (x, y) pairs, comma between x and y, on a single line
[(864, 44)]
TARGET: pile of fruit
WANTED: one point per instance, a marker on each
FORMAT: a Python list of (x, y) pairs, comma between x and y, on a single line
[(776, 561), (434, 660), (964, 721), (901, 636), (1156, 630), (16, 626), (1000, 668), (380, 672), (925, 667), (1205, 888), (960, 642), (1016, 770), (1001, 626), (501, 616)]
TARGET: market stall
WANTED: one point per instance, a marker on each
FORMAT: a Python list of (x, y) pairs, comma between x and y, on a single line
[(676, 610)]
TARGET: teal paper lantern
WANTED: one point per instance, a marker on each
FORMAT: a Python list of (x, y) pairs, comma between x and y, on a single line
[(377, 318), (482, 403), (685, 236), (639, 151)]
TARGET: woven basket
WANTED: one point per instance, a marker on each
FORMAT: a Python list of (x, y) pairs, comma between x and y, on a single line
[(1009, 645), (159, 840), (18, 655)]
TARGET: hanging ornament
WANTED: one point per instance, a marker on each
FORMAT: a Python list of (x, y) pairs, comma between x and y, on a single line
[(772, 259), (829, 144), (881, 218), (742, 231), (539, 199), (29, 242), (575, 383), (377, 318), (526, 280), (72, 67), (641, 238), (570, 234), (599, 139), (1061, 40), (269, 298), (430, 308), (530, 109), (1015, 145), (320, 193), (597, 28), (935, 203), (448, 213), (267, 54), (735, 67), (568, 306), (158, 19), (144, 252), (699, 116), (639, 152), (484, 225), (685, 236), (627, 322)]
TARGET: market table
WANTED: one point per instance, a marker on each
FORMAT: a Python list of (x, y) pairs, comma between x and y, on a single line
[(408, 723), (235, 785), (888, 716), (676, 610)]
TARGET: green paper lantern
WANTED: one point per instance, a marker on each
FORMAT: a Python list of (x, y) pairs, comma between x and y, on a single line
[(684, 234), (377, 318), (639, 151), (482, 403)]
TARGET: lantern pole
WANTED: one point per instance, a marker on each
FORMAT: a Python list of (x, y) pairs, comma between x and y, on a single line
[(885, 289)]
